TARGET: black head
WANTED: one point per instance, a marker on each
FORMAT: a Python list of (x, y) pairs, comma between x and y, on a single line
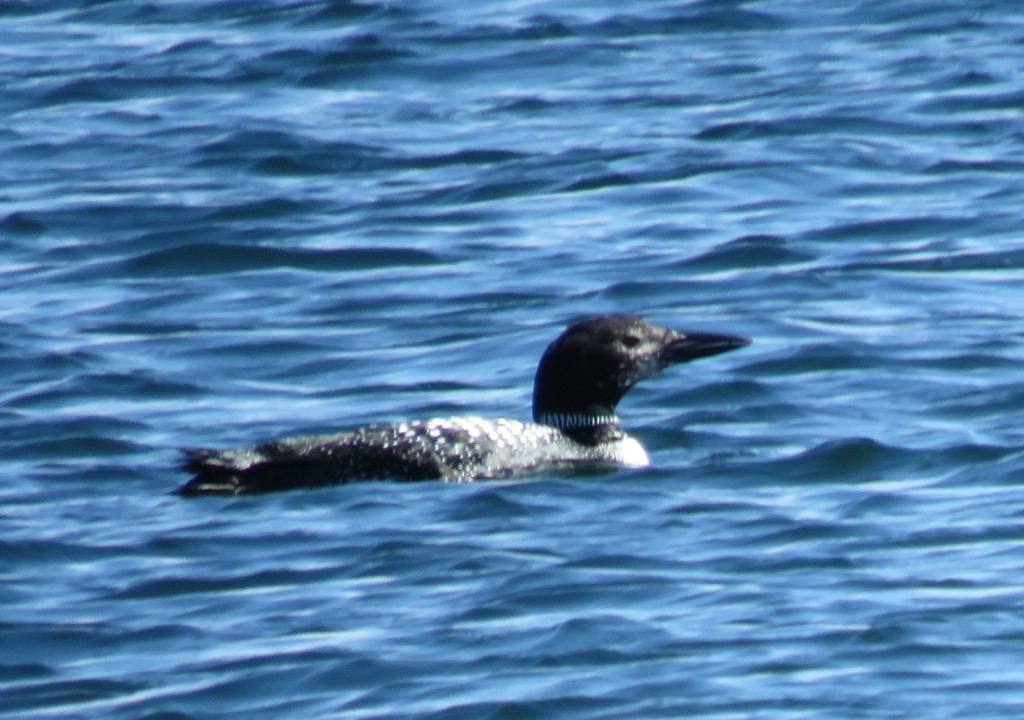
[(587, 370)]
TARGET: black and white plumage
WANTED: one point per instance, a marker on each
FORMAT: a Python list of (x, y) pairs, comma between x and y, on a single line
[(580, 379)]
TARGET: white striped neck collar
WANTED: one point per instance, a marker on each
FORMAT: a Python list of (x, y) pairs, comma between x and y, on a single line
[(577, 421)]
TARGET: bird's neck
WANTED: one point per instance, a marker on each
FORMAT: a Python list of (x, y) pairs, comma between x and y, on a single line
[(589, 427)]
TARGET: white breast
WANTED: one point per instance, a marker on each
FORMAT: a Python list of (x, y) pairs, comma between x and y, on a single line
[(630, 452)]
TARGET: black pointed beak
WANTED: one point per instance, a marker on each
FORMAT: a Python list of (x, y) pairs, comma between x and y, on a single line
[(693, 345)]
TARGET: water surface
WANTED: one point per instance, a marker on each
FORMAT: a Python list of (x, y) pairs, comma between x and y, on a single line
[(223, 222)]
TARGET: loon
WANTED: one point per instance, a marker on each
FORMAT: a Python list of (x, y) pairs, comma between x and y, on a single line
[(580, 379)]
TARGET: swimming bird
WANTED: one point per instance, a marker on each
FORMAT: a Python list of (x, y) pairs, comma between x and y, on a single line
[(580, 380)]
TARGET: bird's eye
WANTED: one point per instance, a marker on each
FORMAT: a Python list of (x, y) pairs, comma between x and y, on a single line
[(631, 341)]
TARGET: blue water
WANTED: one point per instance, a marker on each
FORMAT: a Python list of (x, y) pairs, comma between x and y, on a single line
[(222, 222)]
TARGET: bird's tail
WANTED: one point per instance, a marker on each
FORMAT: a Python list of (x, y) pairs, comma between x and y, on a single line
[(218, 472)]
